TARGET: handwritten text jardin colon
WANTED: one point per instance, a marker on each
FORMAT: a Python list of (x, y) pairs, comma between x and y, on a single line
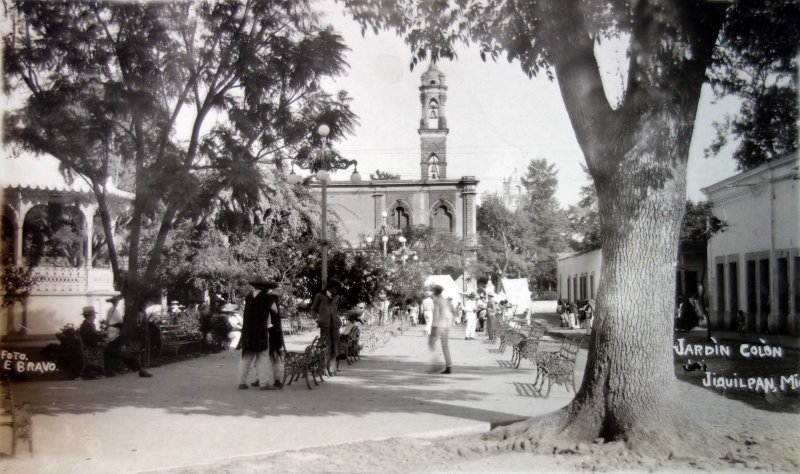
[(748, 351)]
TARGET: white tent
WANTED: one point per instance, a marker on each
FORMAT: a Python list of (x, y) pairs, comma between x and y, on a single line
[(451, 289), (517, 293)]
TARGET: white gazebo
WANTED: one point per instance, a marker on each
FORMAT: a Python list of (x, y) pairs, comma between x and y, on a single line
[(63, 287)]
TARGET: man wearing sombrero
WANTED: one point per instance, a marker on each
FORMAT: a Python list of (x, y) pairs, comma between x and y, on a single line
[(255, 334)]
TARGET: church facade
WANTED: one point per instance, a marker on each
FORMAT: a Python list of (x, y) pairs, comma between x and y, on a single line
[(433, 200)]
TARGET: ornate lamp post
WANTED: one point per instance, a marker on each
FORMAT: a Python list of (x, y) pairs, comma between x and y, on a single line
[(404, 253), (322, 166)]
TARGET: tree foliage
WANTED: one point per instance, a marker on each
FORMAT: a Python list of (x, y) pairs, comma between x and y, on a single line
[(583, 221), (545, 221), (699, 222), (227, 245), (505, 246), (383, 176), (524, 243), (439, 249), (757, 63), (194, 99), (17, 281)]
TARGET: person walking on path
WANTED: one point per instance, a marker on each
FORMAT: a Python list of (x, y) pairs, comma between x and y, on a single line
[(442, 320), (117, 346), (471, 317), (427, 311), (255, 334), (325, 309), (491, 309), (277, 347)]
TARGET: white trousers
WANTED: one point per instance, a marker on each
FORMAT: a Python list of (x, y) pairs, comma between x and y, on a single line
[(472, 323), (233, 339), (428, 321), (573, 321), (263, 367)]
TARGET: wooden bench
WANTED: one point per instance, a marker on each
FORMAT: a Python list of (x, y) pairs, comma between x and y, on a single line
[(557, 367), (17, 417), (92, 357), (173, 340)]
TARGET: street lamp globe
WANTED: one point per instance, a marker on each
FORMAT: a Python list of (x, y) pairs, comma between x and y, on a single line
[(385, 238), (323, 130), (323, 175), (369, 240), (402, 240), (293, 178), (355, 177), (384, 214)]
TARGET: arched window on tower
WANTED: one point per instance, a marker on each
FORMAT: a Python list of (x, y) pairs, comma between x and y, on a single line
[(433, 109), (433, 167), (433, 114)]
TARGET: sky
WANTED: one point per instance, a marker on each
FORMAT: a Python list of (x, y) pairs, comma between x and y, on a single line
[(498, 118)]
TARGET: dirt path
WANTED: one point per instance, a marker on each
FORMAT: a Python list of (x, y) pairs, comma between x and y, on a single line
[(754, 440)]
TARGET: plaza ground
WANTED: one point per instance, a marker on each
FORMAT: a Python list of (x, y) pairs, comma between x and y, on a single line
[(385, 413)]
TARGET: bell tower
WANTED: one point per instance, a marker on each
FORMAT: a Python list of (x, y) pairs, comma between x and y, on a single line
[(433, 125)]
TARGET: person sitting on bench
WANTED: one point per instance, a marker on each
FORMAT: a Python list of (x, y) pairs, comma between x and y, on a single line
[(117, 347)]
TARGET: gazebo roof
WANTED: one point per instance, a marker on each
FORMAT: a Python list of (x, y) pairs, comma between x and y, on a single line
[(41, 174)]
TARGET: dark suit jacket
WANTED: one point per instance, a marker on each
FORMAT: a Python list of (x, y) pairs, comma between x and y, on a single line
[(326, 311), (255, 337), (90, 336)]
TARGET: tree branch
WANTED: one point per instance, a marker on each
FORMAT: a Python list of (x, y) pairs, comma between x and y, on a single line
[(577, 71)]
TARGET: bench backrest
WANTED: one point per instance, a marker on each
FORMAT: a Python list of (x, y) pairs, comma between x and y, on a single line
[(569, 350)]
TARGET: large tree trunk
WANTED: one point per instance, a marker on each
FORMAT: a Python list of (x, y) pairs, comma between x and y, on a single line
[(637, 156), (629, 378)]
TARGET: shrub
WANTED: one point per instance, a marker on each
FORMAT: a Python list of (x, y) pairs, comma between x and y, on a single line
[(544, 295)]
